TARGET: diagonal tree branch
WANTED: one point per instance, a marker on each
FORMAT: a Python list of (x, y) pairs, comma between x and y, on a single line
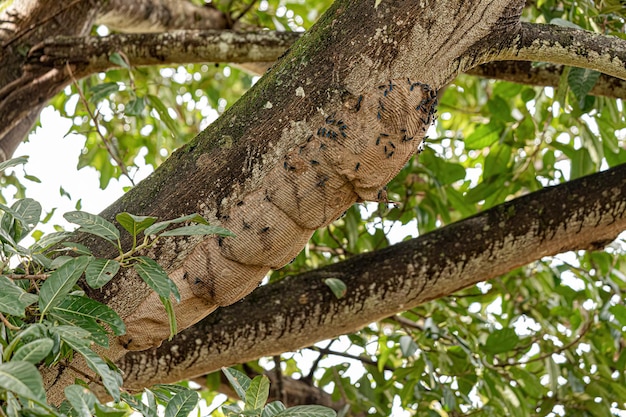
[(587, 213)]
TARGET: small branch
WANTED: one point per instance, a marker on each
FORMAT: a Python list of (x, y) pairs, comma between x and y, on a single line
[(364, 359), (7, 323), (27, 276), (106, 141), (576, 340)]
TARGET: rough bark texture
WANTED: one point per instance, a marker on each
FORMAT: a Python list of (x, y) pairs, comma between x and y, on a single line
[(587, 213), (330, 124)]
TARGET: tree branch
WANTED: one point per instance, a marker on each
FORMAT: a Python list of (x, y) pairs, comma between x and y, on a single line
[(547, 75), (91, 54), (567, 46), (149, 16), (582, 214)]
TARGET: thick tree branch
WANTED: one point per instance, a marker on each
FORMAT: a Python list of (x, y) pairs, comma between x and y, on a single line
[(547, 75), (149, 16), (91, 54), (567, 46), (586, 213)]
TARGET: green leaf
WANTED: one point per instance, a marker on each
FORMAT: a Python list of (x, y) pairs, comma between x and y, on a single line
[(171, 317), (273, 409), (49, 240), (13, 299), (135, 107), (148, 410), (337, 286), (118, 59), (163, 112), (238, 380), (499, 341), (153, 275), (77, 306), (95, 225), (28, 212), (484, 136), (111, 379), (34, 352), (60, 283), (581, 81), (23, 379), (198, 229), (134, 224), (104, 411), (77, 248), (307, 411), (104, 90), (81, 399), (408, 347), (257, 393), (20, 160), (181, 404), (160, 226), (100, 271)]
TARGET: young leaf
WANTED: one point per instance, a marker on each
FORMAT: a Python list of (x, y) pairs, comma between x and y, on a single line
[(60, 283), (152, 273), (238, 380), (257, 393), (198, 229), (181, 404), (20, 160), (81, 399), (308, 411), (100, 271), (13, 299), (160, 226), (34, 351), (337, 286), (23, 379), (134, 224), (95, 225)]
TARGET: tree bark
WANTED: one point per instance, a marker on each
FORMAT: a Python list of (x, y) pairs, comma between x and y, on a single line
[(585, 214)]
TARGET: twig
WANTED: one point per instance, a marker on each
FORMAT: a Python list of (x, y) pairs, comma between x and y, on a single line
[(244, 11), (7, 323), (107, 142), (27, 276)]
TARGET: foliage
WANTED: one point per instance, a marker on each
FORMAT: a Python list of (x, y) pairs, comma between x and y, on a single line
[(545, 339), (46, 317)]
